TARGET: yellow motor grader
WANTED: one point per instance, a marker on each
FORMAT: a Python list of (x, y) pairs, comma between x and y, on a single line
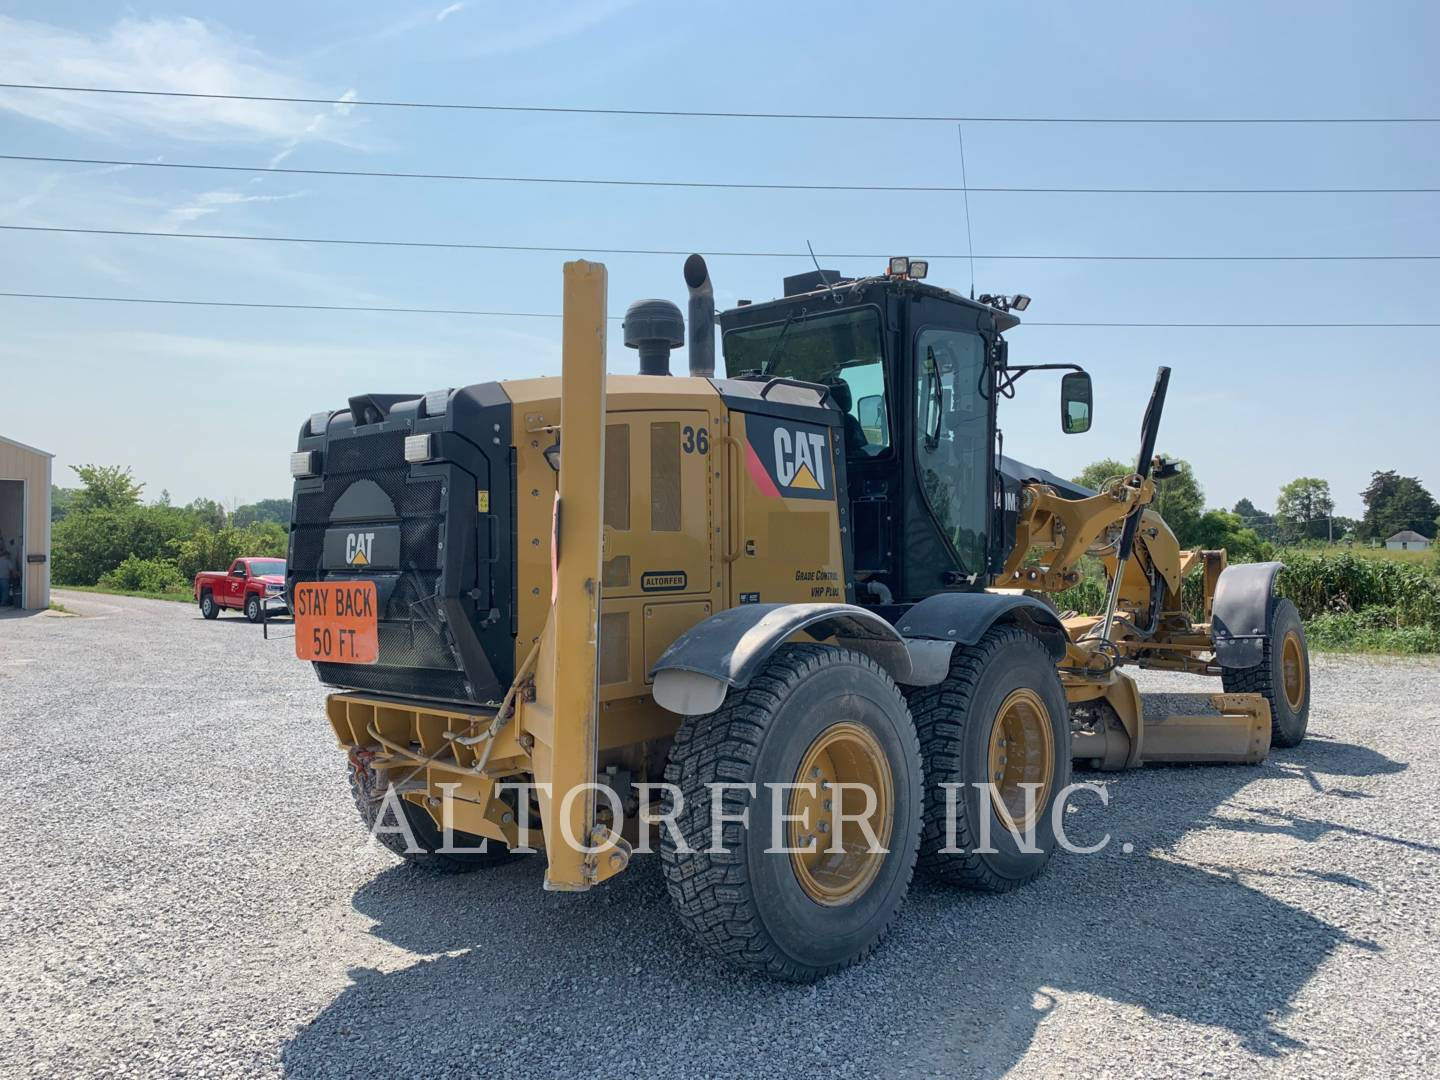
[(793, 621)]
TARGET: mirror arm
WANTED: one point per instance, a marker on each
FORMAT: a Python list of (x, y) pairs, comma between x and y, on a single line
[(1005, 378)]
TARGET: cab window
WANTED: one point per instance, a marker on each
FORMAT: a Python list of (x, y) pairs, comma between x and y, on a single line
[(952, 437), (841, 351)]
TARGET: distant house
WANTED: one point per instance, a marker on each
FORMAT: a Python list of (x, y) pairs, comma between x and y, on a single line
[(1407, 540)]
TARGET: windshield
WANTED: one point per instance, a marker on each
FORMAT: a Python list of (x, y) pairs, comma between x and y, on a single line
[(841, 351), (261, 567)]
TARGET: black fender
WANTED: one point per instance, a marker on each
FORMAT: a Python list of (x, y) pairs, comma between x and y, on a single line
[(1240, 615), (958, 618), (725, 651)]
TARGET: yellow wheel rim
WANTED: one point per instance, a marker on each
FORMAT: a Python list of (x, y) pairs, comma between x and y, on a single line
[(1292, 663), (842, 766), (1022, 751)]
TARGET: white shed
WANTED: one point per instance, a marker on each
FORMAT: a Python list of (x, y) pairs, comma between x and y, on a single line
[(1407, 540), (25, 519)]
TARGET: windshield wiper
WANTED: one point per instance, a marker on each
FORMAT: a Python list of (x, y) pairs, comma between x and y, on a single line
[(779, 340)]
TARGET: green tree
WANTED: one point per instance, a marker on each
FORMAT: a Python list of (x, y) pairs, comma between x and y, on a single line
[(210, 512), (106, 487), (276, 510), (1097, 472), (216, 549), (87, 544), (1223, 529), (1303, 509), (1179, 500), (1394, 503), (1250, 514), (62, 499)]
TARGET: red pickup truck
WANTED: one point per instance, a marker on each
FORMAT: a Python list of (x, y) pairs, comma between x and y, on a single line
[(247, 585)]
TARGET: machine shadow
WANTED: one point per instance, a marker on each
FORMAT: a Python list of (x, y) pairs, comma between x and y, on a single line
[(605, 981)]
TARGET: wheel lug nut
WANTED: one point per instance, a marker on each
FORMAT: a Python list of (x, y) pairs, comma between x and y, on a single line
[(824, 826)]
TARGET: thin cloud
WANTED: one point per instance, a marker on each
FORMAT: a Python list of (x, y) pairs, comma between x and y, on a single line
[(212, 202), (445, 13), (510, 31), (181, 54)]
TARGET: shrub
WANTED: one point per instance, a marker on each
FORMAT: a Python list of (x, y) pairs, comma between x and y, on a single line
[(144, 575), (216, 549), (1359, 632)]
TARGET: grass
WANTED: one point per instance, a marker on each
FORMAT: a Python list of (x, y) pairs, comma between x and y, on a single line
[(55, 605), (180, 597)]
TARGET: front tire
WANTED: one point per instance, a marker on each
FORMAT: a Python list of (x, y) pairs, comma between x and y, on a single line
[(252, 608), (814, 716), (1282, 677), (208, 607), (998, 718)]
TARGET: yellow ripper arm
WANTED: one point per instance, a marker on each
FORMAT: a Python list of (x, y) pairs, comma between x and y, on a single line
[(563, 718)]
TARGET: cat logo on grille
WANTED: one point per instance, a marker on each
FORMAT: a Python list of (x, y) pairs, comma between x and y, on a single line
[(359, 548)]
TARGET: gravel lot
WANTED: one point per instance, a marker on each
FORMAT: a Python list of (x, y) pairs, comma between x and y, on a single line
[(188, 893)]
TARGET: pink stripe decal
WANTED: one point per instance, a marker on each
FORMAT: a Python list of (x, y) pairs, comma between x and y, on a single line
[(758, 475)]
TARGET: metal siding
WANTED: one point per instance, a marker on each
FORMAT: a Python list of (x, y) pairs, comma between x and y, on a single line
[(19, 463)]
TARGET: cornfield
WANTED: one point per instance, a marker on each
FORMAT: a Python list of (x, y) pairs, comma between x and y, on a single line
[(1347, 601)]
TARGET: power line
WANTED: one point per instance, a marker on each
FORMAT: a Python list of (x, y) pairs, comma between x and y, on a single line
[(283, 307), (714, 184), (581, 249), (729, 115), (618, 318)]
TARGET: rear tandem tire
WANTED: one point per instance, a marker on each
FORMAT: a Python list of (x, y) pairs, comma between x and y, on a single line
[(814, 710), (368, 795), (1007, 677), (208, 607), (1282, 677)]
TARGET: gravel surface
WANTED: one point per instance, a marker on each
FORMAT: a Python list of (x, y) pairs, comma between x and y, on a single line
[(189, 893)]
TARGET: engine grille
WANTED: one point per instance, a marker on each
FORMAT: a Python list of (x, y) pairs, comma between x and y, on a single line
[(416, 655)]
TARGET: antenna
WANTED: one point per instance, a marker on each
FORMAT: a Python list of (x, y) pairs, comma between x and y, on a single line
[(828, 287), (965, 187)]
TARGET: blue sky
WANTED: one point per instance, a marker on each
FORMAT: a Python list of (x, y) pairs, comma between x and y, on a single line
[(207, 402)]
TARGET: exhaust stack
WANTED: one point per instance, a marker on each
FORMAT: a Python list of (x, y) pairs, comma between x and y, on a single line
[(702, 317)]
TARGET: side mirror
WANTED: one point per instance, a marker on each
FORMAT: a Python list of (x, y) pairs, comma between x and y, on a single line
[(1075, 400)]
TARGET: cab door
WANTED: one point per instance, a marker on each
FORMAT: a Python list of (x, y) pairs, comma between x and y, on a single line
[(949, 447), (235, 584)]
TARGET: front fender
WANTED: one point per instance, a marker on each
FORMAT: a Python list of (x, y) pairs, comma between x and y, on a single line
[(1240, 616), (725, 651), (964, 618)]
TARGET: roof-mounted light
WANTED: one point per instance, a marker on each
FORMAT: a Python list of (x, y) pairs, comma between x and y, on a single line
[(919, 268), (319, 422), (437, 401), (1018, 302), (899, 266)]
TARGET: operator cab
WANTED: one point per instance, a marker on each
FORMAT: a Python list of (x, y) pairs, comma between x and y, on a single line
[(914, 370)]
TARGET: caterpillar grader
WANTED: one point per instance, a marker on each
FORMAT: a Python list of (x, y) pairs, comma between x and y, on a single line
[(796, 622)]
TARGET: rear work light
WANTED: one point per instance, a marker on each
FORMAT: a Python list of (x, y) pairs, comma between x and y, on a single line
[(436, 402), (304, 463), (418, 448)]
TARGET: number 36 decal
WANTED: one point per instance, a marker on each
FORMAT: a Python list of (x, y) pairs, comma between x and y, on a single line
[(695, 440)]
